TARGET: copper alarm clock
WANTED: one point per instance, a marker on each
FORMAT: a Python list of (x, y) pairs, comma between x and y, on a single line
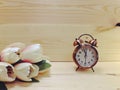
[(85, 54)]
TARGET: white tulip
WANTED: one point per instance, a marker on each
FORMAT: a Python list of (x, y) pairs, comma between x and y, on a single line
[(7, 73), (26, 71), (10, 55), (33, 54)]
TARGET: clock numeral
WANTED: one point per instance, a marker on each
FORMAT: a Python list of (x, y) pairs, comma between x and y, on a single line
[(89, 62), (92, 52), (78, 55)]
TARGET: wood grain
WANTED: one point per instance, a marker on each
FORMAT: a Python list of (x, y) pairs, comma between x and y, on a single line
[(57, 39), (63, 76), (55, 24), (103, 12)]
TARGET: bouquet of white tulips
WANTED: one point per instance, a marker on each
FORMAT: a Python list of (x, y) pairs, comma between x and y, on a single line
[(18, 61)]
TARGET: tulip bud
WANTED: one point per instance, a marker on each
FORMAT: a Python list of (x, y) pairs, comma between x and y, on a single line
[(32, 53), (26, 71), (10, 55), (7, 73)]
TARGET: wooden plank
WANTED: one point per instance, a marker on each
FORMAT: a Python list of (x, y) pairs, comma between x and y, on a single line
[(69, 18), (57, 39), (63, 76), (60, 11)]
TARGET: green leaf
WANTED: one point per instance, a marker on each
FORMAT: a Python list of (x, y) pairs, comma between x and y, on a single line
[(41, 62), (3, 86), (43, 65)]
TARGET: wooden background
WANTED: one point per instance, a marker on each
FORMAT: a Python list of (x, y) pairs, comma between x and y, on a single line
[(56, 23)]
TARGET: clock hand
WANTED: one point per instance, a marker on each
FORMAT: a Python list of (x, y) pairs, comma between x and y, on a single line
[(85, 56)]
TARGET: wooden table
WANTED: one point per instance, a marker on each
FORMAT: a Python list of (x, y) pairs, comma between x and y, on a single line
[(63, 76)]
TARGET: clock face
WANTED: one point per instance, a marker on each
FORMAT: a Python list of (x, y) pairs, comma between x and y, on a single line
[(86, 56)]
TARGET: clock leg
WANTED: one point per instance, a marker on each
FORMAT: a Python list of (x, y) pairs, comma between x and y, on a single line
[(77, 68), (93, 70)]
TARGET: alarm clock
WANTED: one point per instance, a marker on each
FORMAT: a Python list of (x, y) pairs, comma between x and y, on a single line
[(85, 54)]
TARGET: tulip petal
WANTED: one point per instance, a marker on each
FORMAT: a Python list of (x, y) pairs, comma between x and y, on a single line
[(34, 71)]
